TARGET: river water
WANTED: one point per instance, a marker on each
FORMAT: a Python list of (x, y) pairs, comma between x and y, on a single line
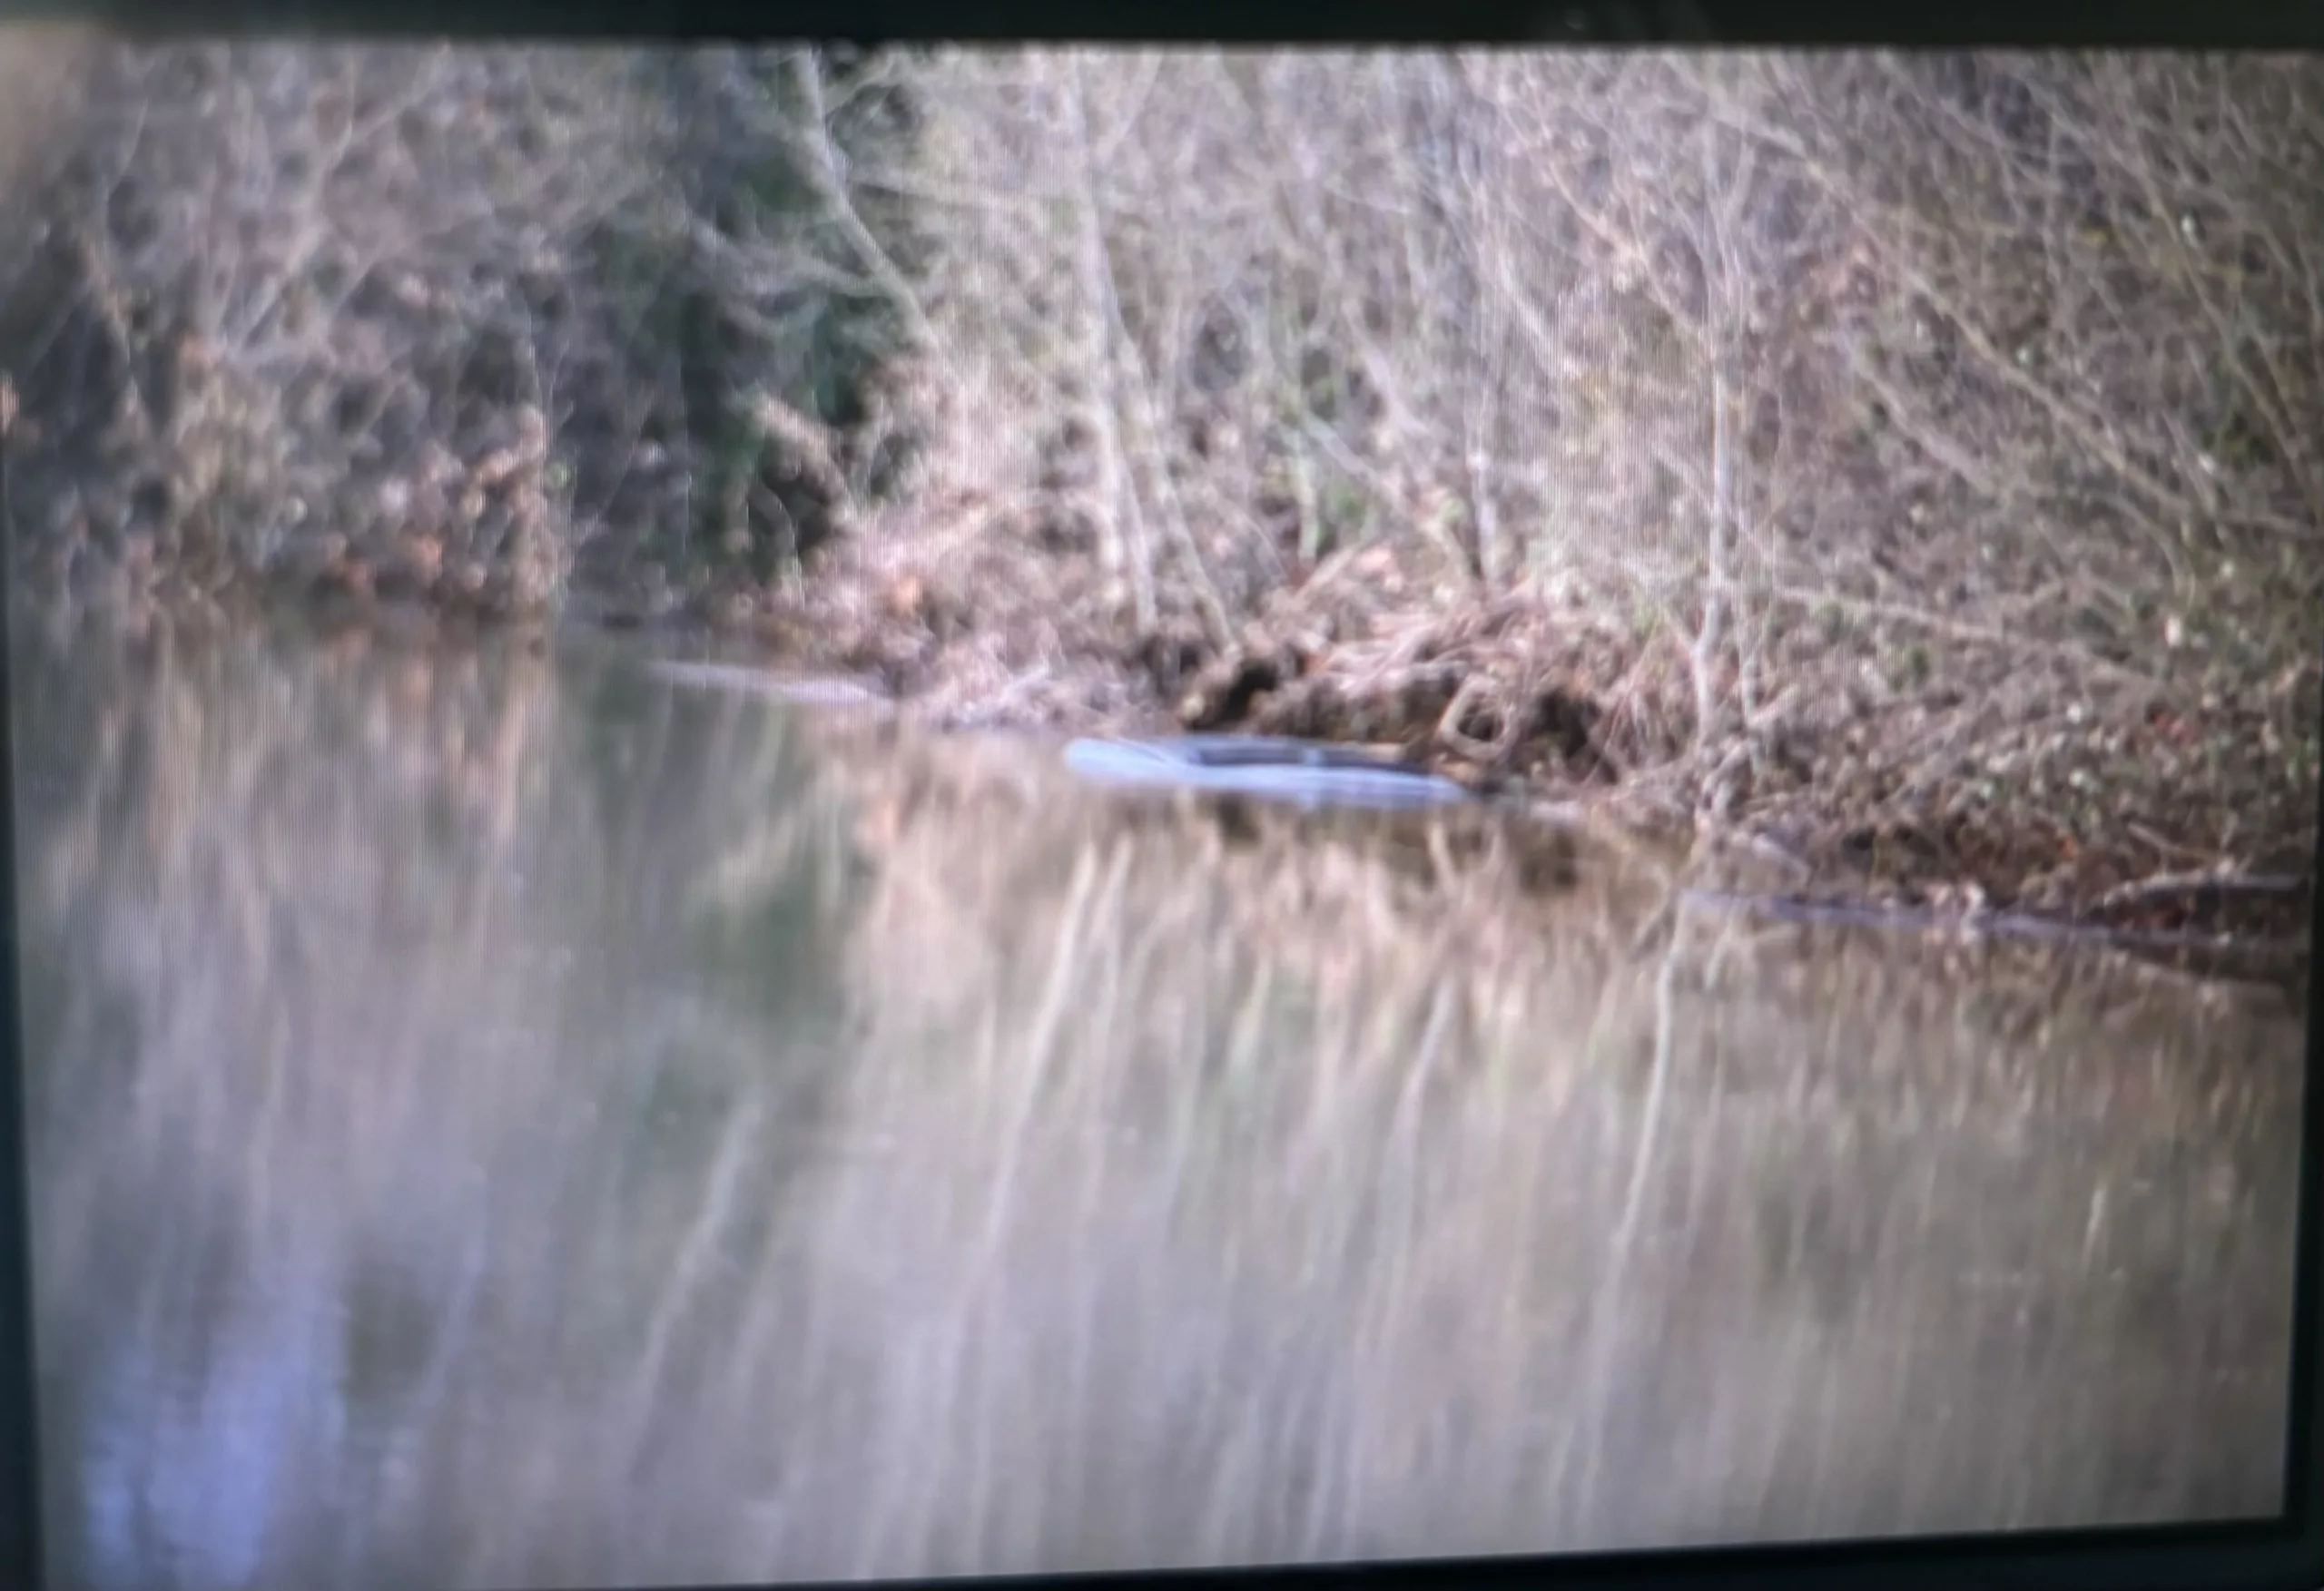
[(502, 1117)]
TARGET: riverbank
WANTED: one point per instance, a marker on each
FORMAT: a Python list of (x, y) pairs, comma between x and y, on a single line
[(1883, 757), (1891, 759), (2172, 844)]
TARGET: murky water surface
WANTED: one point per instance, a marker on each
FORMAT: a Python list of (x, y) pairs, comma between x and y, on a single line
[(509, 1119)]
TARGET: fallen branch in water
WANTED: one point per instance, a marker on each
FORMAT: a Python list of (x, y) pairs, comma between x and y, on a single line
[(2169, 886)]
